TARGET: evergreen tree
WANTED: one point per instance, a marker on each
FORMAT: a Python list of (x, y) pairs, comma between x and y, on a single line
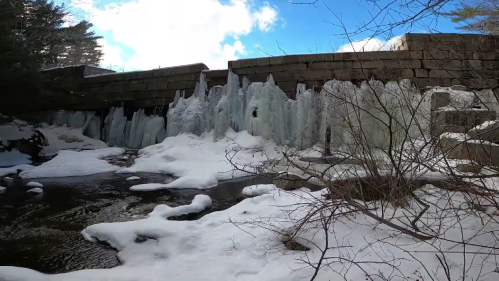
[(80, 46), (33, 37), (477, 15)]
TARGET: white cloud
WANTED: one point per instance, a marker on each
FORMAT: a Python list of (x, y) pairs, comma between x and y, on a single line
[(266, 17), (369, 44), (112, 56), (166, 32)]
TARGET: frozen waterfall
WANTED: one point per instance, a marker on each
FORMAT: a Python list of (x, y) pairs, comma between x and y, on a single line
[(345, 115), (139, 132), (380, 115)]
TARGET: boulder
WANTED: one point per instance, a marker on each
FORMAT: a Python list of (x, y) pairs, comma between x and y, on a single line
[(457, 121), (459, 146), (484, 153), (488, 131), (451, 144)]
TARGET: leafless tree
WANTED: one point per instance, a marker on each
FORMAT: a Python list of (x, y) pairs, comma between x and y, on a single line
[(397, 167)]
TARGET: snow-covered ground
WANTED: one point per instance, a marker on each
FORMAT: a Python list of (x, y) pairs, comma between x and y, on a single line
[(13, 157), (65, 138), (200, 162), (71, 163), (59, 138), (13, 170), (229, 245)]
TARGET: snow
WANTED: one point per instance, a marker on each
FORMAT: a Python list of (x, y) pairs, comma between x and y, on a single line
[(241, 250), (71, 163), (2, 189), (65, 138), (34, 184), (13, 157), (58, 138), (259, 189), (13, 170), (486, 124), (148, 187), (15, 130), (455, 136), (35, 190), (134, 178), (199, 161), (200, 203)]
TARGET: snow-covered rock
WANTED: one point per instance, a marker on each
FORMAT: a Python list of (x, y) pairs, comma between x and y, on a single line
[(71, 163), (200, 203), (34, 184), (259, 189), (35, 190), (134, 178), (148, 187), (3, 189), (8, 179)]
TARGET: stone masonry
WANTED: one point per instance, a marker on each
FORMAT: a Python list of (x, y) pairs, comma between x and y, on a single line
[(426, 59)]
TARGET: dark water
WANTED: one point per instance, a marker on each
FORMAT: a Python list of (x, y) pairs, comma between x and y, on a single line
[(42, 232)]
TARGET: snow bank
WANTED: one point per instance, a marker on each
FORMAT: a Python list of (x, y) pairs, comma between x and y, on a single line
[(13, 170), (58, 138), (35, 190), (199, 161), (259, 189), (217, 250), (65, 138), (13, 157), (15, 130), (71, 163), (134, 178), (34, 184), (2, 189), (199, 204)]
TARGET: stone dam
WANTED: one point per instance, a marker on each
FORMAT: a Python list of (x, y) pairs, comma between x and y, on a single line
[(426, 59)]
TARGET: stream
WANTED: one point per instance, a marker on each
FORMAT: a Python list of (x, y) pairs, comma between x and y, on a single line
[(42, 232)]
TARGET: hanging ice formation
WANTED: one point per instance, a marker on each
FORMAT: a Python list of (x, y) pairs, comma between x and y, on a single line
[(379, 115), (139, 132), (87, 121)]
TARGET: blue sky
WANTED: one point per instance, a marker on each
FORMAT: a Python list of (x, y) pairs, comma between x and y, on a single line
[(146, 34)]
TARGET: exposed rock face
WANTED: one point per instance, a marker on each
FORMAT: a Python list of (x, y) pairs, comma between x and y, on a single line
[(31, 146), (34, 145)]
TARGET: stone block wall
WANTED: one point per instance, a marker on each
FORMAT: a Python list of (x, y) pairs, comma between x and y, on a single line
[(426, 59), (92, 70), (58, 90), (143, 88)]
